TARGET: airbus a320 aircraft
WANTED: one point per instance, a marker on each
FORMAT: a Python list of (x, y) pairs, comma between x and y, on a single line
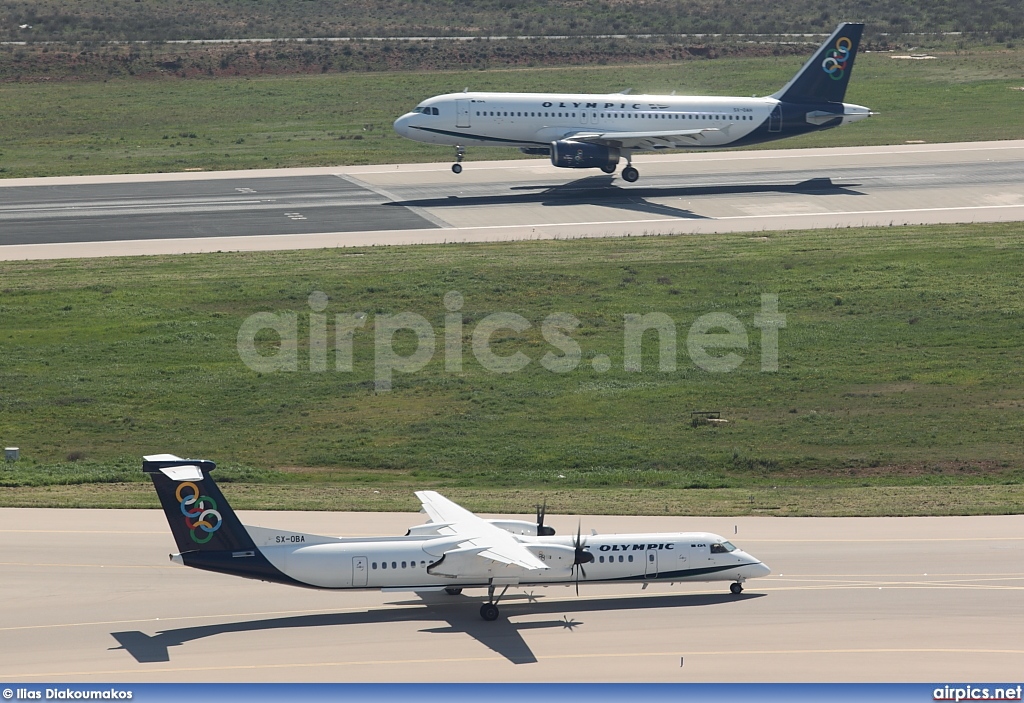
[(596, 131), (455, 549)]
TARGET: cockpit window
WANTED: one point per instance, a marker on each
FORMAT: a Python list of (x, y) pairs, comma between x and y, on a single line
[(723, 548), (426, 110)]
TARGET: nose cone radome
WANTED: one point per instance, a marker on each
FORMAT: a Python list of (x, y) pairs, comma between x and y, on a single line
[(758, 570), (402, 125)]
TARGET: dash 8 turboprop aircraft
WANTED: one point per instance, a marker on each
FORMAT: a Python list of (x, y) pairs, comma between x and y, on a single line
[(595, 131), (453, 550)]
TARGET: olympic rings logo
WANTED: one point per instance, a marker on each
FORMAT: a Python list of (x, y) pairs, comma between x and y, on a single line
[(200, 512), (835, 63)]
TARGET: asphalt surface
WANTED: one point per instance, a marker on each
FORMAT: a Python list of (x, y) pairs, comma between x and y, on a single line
[(697, 193), (70, 213), (90, 596)]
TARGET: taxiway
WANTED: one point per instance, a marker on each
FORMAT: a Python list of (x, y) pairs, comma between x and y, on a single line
[(90, 596)]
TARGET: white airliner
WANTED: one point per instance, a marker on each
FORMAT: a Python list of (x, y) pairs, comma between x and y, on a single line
[(455, 549), (595, 131)]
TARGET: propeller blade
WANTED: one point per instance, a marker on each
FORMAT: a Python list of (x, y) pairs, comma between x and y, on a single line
[(542, 530)]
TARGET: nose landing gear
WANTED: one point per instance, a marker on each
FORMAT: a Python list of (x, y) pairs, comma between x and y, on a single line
[(736, 588), (460, 154)]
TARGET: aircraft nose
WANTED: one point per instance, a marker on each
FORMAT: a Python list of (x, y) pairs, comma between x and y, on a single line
[(402, 125), (760, 569)]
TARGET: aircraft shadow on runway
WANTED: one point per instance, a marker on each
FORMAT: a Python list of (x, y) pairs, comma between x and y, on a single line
[(502, 636), (600, 190)]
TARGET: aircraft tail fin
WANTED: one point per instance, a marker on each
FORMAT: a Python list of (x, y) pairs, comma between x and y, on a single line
[(197, 512), (826, 74)]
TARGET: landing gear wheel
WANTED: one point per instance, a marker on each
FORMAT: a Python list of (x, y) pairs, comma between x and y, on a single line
[(489, 612), (453, 591), (630, 174), (609, 168), (736, 588), (460, 154)]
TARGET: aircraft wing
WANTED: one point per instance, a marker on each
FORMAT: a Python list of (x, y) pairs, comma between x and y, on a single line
[(666, 139), (493, 542)]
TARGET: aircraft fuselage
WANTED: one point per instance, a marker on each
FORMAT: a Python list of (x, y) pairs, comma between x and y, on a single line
[(535, 120), (408, 562)]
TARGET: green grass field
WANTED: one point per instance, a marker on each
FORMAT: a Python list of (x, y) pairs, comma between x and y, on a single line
[(899, 389), (136, 126), (900, 367)]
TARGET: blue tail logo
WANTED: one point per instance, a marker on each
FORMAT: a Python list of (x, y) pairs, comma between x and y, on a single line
[(835, 64), (200, 512)]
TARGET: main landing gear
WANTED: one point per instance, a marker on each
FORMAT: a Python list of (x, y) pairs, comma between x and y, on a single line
[(630, 174), (460, 154), (489, 610), (609, 168), (453, 591)]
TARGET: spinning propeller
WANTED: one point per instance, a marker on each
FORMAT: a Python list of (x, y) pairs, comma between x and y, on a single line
[(542, 529), (582, 557)]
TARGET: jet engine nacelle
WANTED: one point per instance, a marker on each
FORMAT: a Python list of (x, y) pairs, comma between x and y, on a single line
[(569, 154)]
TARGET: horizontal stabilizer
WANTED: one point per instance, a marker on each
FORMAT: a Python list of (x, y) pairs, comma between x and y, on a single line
[(187, 472)]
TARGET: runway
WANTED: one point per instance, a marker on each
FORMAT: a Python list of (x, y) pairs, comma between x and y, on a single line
[(90, 596), (697, 193)]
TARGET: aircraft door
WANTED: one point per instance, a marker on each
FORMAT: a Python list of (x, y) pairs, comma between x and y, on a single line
[(651, 564), (461, 113), (359, 571), (775, 119)]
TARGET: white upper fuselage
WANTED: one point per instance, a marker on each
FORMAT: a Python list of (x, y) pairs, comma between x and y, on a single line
[(402, 562), (537, 119)]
